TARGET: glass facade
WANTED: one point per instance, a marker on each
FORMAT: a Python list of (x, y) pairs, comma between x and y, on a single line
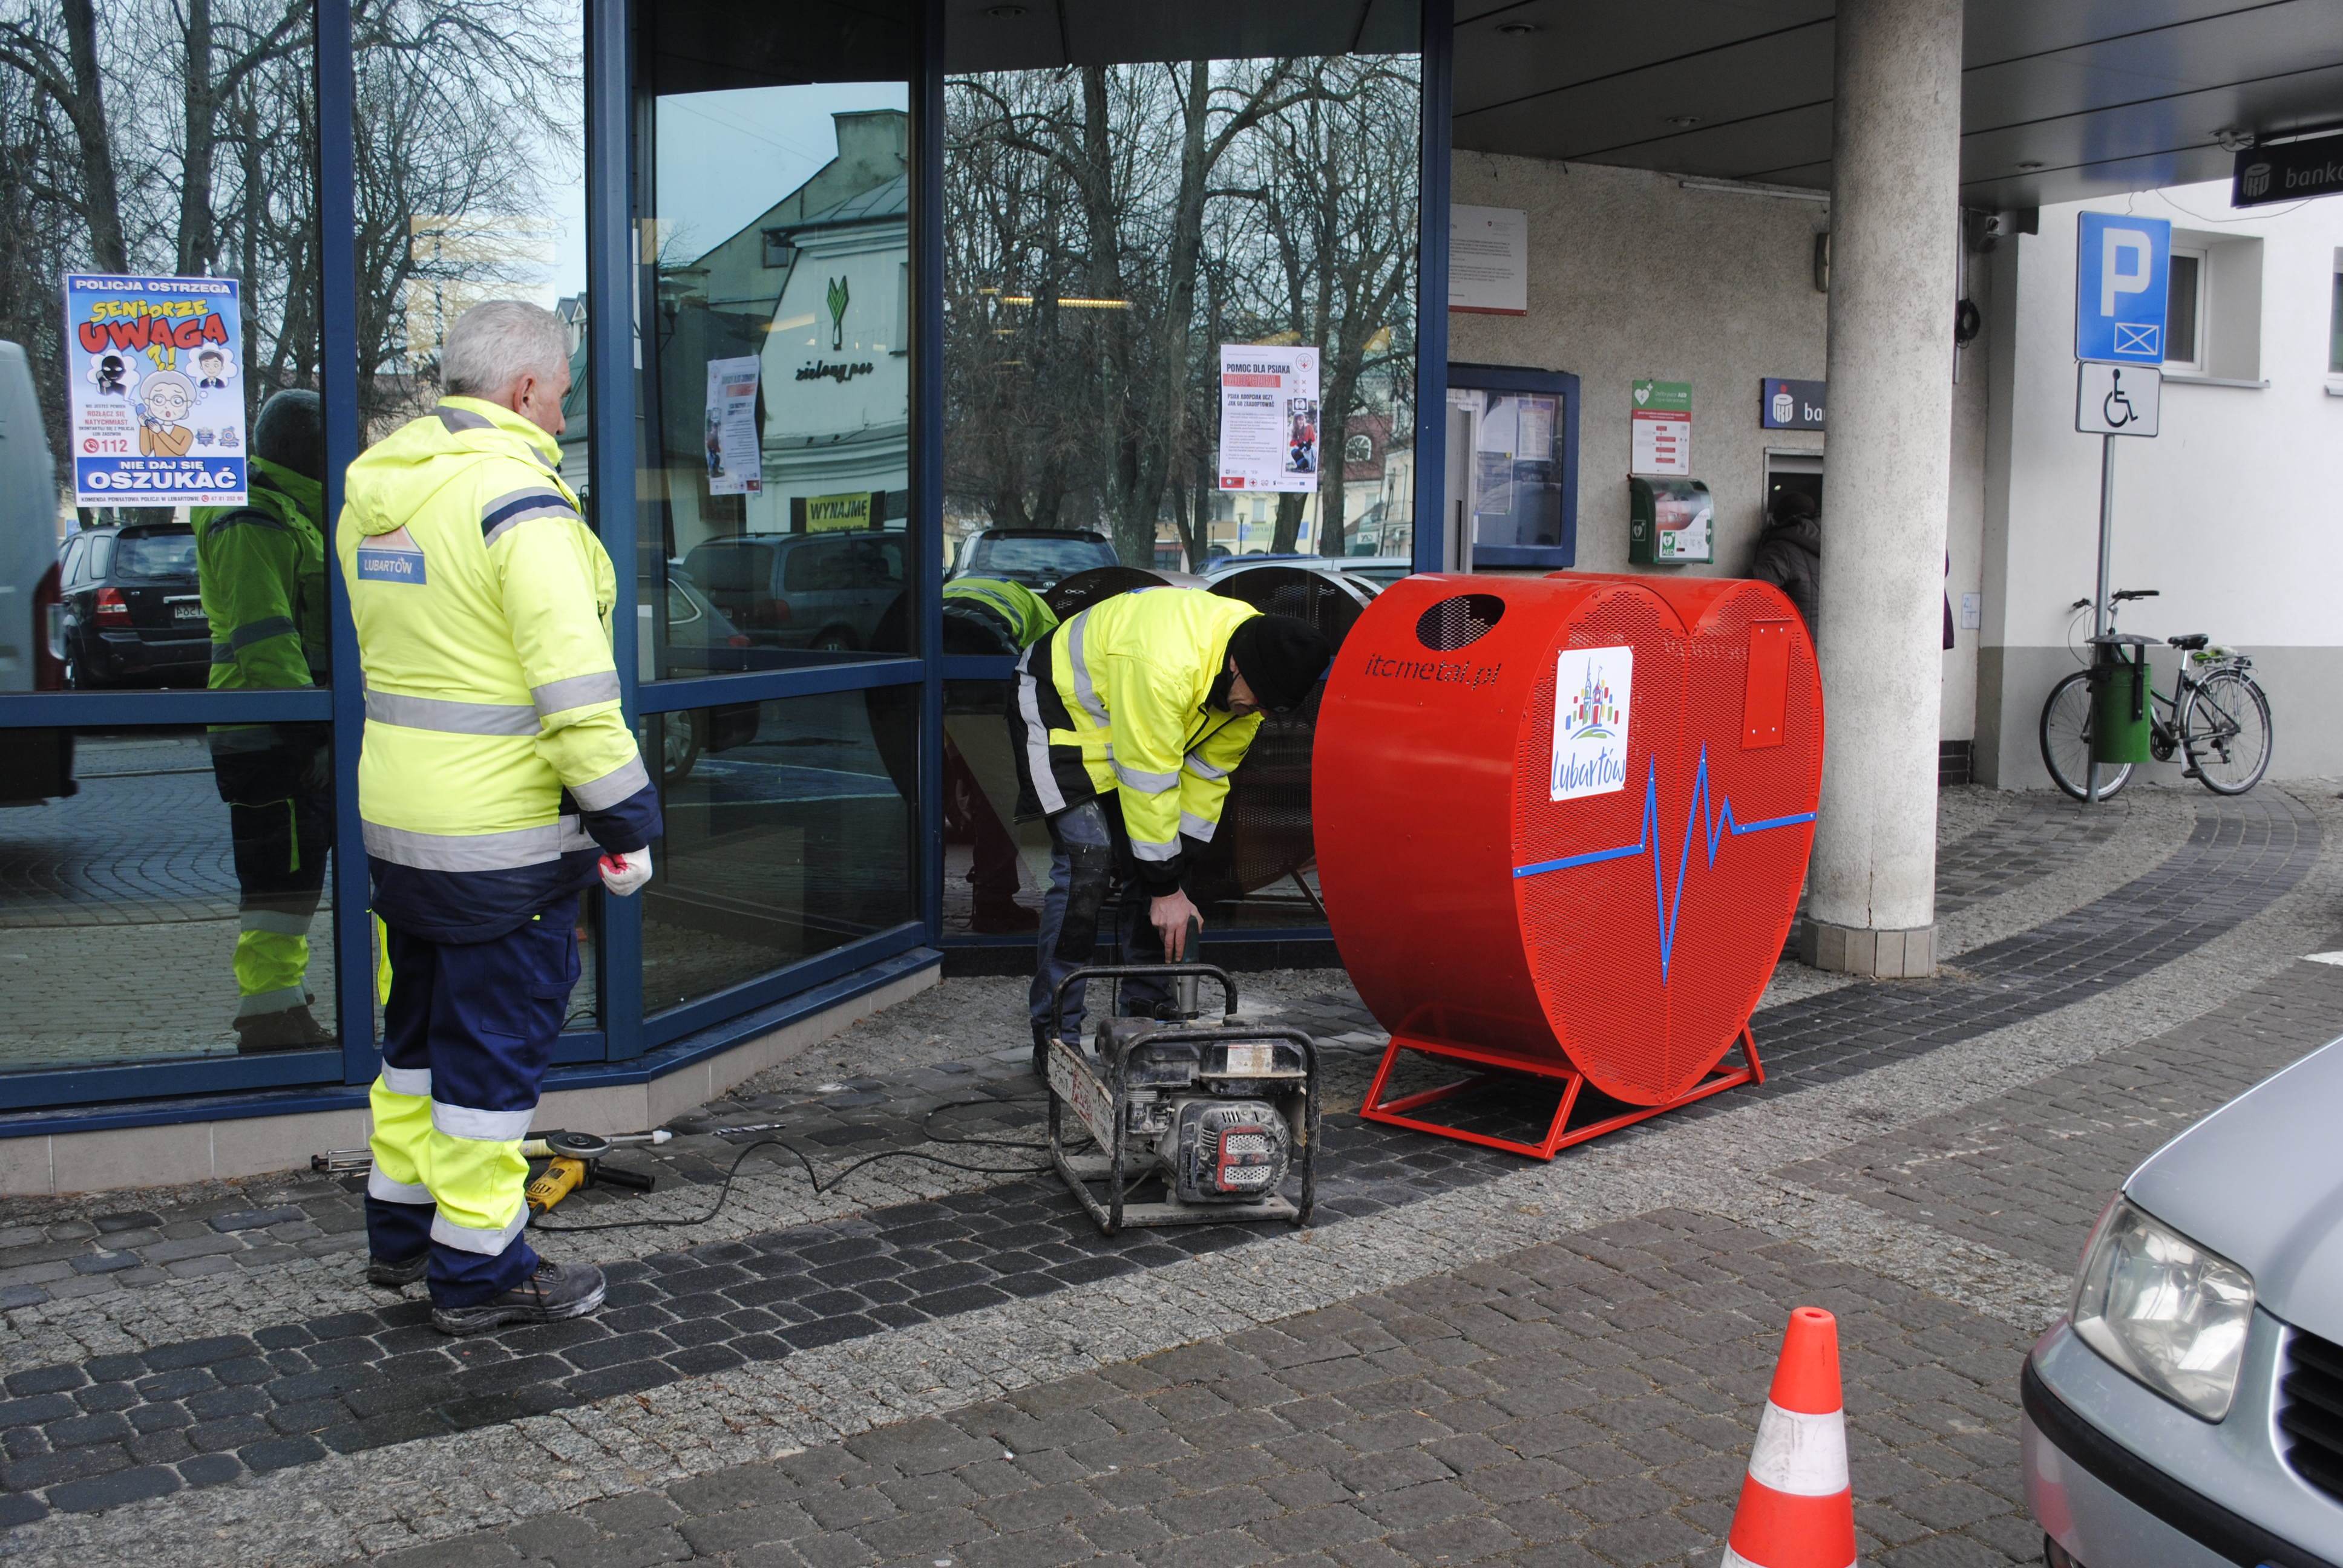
[(880, 307)]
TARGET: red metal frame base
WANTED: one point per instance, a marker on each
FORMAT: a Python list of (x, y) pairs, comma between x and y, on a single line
[(1560, 1135)]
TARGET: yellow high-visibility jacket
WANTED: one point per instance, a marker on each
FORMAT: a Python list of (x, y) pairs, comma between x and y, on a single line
[(1024, 617), (498, 763), (262, 566), (1139, 675)]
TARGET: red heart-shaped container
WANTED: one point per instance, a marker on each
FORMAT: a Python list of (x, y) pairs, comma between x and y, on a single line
[(1604, 911)]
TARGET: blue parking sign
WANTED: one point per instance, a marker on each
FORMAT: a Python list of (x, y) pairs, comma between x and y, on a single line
[(2121, 267)]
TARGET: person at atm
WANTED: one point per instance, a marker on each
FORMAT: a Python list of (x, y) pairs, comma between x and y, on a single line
[(1790, 551), (261, 567), (1126, 722)]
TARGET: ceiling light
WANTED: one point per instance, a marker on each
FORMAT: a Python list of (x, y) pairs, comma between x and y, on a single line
[(1517, 29), (1004, 13), (2030, 163), (2232, 139), (1684, 122)]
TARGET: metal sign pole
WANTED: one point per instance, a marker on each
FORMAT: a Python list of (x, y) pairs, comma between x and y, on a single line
[(2107, 557)]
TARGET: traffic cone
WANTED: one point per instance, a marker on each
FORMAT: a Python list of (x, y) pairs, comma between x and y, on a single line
[(1796, 1508)]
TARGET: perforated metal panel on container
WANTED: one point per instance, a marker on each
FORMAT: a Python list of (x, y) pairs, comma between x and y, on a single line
[(1623, 933)]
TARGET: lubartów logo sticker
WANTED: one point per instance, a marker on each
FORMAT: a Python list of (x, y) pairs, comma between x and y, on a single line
[(1594, 690)]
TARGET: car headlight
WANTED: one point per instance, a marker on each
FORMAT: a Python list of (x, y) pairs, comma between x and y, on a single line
[(2164, 1310)]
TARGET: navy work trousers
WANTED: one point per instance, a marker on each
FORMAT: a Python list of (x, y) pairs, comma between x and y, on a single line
[(1091, 861), (468, 1033)]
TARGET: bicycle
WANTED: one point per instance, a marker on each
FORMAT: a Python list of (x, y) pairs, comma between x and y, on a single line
[(2215, 717)]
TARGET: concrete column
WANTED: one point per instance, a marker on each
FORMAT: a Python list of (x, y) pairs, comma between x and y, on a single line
[(1895, 222)]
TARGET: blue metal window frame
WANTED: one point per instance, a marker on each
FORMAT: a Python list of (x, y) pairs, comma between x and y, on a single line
[(231, 1086), (1558, 384)]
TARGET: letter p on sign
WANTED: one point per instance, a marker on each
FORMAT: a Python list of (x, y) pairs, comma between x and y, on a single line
[(2127, 263), (2121, 267)]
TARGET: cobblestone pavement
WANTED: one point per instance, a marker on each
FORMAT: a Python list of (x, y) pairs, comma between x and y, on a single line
[(1471, 1357)]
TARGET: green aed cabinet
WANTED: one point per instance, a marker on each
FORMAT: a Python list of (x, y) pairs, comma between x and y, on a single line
[(1670, 522)]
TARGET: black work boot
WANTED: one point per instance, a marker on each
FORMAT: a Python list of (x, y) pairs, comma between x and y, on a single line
[(1042, 1053), (397, 1276), (556, 1291)]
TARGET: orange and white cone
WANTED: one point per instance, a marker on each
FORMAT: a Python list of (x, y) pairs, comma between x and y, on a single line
[(1797, 1509)]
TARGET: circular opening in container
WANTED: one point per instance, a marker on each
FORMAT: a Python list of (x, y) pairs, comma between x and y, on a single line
[(1460, 621)]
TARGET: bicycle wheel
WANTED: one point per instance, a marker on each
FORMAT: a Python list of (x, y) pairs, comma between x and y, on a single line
[(2226, 732), (2066, 742)]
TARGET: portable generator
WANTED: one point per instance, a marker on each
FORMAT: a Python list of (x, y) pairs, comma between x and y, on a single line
[(1194, 1122)]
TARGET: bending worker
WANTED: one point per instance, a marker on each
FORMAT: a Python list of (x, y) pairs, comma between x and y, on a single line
[(1126, 722), (986, 615), (498, 768), (262, 569)]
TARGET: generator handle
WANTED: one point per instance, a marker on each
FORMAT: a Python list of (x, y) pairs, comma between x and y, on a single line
[(1134, 972)]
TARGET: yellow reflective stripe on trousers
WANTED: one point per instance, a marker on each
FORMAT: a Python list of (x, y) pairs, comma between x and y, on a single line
[(381, 1186), (413, 1081), (485, 1242), (477, 1126)]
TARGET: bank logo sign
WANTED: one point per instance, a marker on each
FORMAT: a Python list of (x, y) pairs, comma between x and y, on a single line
[(1594, 689), (2288, 172)]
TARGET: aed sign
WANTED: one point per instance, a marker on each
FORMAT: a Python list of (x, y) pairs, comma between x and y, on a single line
[(1785, 404), (2121, 267)]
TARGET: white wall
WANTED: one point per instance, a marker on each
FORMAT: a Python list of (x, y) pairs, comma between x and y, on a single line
[(1633, 275), (2235, 512)]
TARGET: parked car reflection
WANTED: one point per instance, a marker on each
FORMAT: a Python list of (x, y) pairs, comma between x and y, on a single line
[(133, 610)]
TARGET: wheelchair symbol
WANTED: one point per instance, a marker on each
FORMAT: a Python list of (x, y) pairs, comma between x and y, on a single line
[(2116, 407)]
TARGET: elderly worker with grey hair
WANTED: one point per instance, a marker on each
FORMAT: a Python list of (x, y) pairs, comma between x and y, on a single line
[(498, 782)]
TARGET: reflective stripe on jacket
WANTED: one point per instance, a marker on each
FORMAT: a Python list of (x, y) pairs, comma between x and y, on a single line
[(262, 566), (496, 759), (1138, 675)]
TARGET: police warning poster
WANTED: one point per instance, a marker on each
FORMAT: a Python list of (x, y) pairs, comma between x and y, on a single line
[(1269, 417), (736, 467), (155, 390)]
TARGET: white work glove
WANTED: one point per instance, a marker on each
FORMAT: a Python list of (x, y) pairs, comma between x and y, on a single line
[(625, 874)]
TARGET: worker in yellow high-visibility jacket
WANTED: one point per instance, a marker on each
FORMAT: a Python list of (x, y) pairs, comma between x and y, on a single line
[(497, 771), (262, 569), (1127, 721)]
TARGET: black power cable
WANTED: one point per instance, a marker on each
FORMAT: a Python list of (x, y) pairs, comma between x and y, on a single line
[(813, 1176)]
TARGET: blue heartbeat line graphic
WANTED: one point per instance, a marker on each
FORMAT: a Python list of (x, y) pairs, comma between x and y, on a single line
[(1715, 826)]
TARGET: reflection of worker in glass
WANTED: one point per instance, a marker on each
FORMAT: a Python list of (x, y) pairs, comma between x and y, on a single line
[(988, 616), (164, 398), (263, 568), (1126, 722)]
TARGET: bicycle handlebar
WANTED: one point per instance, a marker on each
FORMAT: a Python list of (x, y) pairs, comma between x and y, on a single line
[(2122, 594)]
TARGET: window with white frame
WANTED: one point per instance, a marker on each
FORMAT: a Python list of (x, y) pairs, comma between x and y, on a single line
[(2335, 321), (2213, 315), (2185, 322)]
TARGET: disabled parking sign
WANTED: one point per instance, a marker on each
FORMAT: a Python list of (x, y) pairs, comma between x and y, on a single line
[(2122, 265)]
